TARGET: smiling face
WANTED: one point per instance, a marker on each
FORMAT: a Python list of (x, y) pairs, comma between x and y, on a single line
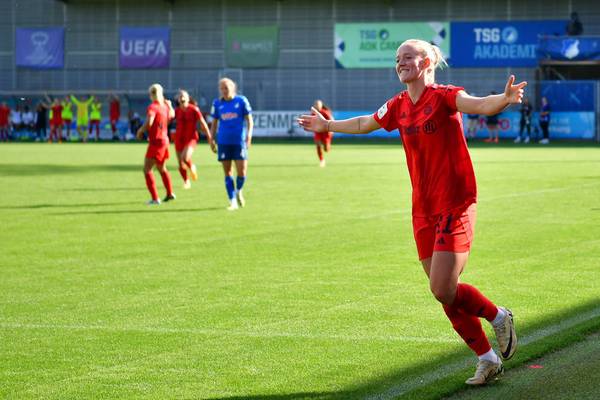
[(227, 89), (411, 65), (184, 98)]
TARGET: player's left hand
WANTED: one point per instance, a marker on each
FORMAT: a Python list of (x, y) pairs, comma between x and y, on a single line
[(512, 92), (213, 147)]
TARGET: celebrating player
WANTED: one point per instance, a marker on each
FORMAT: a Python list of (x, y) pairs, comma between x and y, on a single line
[(56, 122), (188, 118), (82, 115), (229, 112), (157, 119), (67, 115), (95, 117), (114, 115), (323, 139), (428, 117)]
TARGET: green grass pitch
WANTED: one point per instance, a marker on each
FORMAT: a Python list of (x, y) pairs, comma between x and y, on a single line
[(312, 291)]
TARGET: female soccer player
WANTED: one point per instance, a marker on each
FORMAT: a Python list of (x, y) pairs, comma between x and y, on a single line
[(229, 112), (188, 117), (67, 115), (95, 117), (115, 114), (4, 121), (492, 125), (322, 139), (82, 115), (157, 119), (428, 117), (56, 122)]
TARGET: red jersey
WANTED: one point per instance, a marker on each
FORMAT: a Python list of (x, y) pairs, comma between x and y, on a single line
[(157, 133), (439, 165), (187, 121), (57, 115), (4, 113), (115, 110)]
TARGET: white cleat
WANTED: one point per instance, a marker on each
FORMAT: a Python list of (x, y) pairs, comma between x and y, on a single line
[(322, 163), (518, 139), (153, 203), (526, 140), (187, 184), (506, 335), (233, 206), (544, 141), (486, 371), (240, 198)]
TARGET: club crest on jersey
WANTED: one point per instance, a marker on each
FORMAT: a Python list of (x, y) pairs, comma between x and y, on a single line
[(427, 109), (382, 111)]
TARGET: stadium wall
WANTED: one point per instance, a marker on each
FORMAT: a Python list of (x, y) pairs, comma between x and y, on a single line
[(305, 69)]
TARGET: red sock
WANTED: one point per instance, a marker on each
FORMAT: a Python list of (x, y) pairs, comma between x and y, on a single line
[(166, 178), (472, 302), (151, 185), (469, 328), (183, 173), (320, 152)]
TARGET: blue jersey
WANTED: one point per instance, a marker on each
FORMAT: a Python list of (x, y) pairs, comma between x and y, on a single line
[(230, 114)]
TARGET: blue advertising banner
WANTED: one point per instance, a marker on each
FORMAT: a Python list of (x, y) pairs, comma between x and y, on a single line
[(571, 48), (563, 125), (570, 95), (144, 47), (499, 43), (42, 48)]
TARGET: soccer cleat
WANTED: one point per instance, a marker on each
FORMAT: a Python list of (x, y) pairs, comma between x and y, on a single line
[(187, 184), (153, 202), (544, 141), (495, 140), (526, 140), (322, 163), (233, 205), (194, 172), (506, 335), (485, 372), (169, 197), (240, 198), (518, 139)]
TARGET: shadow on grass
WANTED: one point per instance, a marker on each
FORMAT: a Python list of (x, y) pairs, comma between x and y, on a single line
[(445, 375), (41, 206), (54, 169), (147, 209), (119, 189)]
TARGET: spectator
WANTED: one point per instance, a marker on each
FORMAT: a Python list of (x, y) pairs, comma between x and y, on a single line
[(574, 27), (16, 120), (134, 122), (526, 110), (41, 121), (28, 119), (4, 121), (545, 121), (492, 125)]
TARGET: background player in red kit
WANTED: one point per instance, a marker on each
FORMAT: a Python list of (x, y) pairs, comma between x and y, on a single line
[(157, 120), (323, 139), (114, 114), (188, 117), (4, 121), (56, 123), (429, 119)]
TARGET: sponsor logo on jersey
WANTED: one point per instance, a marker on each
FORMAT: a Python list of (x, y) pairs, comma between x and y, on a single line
[(229, 115), (429, 127), (382, 111)]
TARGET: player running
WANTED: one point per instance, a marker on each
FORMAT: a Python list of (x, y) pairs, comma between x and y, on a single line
[(228, 113), (188, 117), (157, 119), (428, 117), (323, 139)]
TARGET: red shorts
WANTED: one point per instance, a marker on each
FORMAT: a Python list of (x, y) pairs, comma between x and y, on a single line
[(184, 142), (159, 153), (451, 231), (321, 137), (67, 121)]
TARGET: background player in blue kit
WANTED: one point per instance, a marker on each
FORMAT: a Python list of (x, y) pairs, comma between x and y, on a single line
[(229, 112)]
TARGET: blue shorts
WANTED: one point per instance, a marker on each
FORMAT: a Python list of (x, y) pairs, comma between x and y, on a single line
[(232, 152)]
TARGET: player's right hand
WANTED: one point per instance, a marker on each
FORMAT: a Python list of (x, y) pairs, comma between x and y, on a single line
[(314, 122)]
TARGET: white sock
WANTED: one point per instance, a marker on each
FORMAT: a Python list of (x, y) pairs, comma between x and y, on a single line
[(499, 316), (490, 356)]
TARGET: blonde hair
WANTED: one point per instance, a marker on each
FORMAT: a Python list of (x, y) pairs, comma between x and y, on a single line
[(156, 92), (430, 51), (229, 82), (183, 92)]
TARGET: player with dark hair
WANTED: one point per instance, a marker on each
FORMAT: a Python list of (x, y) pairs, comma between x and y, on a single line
[(189, 117), (229, 113), (429, 119), (157, 120), (322, 139)]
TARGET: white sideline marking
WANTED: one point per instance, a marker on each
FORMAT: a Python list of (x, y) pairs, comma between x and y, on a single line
[(446, 370), (220, 333)]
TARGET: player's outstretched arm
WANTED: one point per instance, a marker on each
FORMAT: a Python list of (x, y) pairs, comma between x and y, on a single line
[(357, 125), (492, 104)]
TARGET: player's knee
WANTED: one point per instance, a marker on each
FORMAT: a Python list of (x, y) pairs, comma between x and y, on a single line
[(443, 293)]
